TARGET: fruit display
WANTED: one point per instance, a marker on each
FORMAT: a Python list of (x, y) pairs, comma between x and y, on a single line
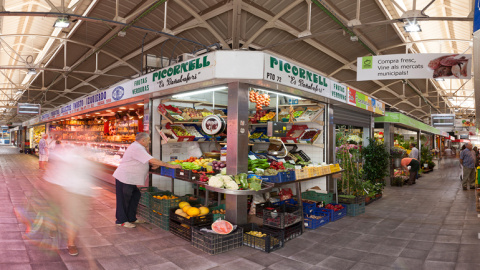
[(335, 208), (218, 165), (297, 114), (256, 135), (222, 227), (180, 131), (309, 135), (165, 197), (221, 211), (277, 165), (256, 234), (203, 162), (259, 99), (192, 130), (269, 116), (258, 164)]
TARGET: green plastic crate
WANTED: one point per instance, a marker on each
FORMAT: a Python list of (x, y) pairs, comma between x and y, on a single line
[(146, 195), (163, 206), (317, 197), (217, 216), (161, 221)]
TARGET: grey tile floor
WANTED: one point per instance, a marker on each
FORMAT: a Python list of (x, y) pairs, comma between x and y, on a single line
[(431, 225)]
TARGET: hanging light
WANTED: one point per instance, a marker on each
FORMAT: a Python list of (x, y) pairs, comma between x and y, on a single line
[(129, 116), (412, 26), (62, 22), (31, 71), (140, 116)]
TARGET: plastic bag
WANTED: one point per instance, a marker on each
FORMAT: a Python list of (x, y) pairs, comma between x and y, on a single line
[(257, 198), (285, 194)]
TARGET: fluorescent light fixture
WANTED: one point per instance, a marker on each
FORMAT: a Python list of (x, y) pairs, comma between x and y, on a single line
[(109, 110), (19, 92), (439, 79), (451, 98), (97, 113), (200, 92), (131, 109), (62, 22), (280, 94), (119, 111), (31, 71), (140, 104), (123, 108), (412, 27)]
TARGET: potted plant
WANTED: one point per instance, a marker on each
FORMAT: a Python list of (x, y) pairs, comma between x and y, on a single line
[(378, 190), (369, 189), (376, 157), (347, 154), (397, 153)]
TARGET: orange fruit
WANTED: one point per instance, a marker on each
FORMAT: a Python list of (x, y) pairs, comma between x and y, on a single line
[(193, 211), (186, 207)]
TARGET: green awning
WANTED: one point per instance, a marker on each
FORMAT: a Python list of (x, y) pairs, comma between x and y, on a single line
[(398, 118)]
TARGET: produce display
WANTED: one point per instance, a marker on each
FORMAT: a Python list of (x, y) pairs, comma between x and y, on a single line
[(192, 130), (222, 227), (187, 211), (256, 234), (180, 131), (269, 116), (258, 164), (335, 208), (223, 181), (259, 99)]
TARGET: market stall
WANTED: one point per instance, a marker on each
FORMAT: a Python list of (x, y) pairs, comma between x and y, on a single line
[(262, 126), (398, 132)]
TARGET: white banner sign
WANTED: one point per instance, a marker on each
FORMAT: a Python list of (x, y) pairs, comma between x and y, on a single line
[(282, 72), (414, 66), (195, 70)]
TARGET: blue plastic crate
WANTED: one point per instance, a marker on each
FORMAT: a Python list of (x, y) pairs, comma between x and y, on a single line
[(335, 215), (167, 172), (279, 178), (290, 176), (197, 127), (313, 223), (308, 207)]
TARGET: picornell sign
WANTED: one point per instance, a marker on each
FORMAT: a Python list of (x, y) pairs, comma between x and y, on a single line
[(283, 72), (195, 70)]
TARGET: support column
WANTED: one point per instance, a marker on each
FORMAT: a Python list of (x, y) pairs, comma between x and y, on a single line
[(237, 147), (330, 145), (419, 146), (388, 131)]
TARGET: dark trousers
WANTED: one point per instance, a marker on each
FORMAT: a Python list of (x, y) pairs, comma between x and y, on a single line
[(413, 176), (128, 197)]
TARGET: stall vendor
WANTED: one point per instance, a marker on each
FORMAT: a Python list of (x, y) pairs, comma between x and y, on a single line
[(414, 167)]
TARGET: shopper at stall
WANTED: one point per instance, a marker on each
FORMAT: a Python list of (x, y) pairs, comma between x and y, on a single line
[(467, 160), (414, 167), (132, 171), (43, 152), (414, 152)]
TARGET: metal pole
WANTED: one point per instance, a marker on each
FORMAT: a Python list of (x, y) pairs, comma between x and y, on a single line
[(237, 147)]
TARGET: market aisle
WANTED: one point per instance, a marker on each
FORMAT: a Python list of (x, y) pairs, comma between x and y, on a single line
[(431, 225)]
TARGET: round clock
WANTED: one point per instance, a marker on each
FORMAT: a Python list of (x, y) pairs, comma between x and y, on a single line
[(213, 125)]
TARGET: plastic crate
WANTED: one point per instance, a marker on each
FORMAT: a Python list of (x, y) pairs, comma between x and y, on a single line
[(186, 175), (168, 172), (271, 242), (213, 243), (145, 213), (317, 197), (289, 233), (200, 221), (181, 138), (357, 199), (308, 207), (163, 205), (261, 132), (217, 216), (281, 217), (195, 202), (160, 220), (312, 222), (181, 230), (355, 209), (335, 215), (279, 178), (289, 138), (259, 208), (290, 176), (146, 195), (201, 138)]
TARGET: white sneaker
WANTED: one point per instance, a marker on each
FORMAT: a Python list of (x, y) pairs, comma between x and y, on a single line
[(127, 225), (139, 221)]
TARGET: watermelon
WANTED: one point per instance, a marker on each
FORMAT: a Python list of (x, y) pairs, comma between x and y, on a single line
[(222, 227)]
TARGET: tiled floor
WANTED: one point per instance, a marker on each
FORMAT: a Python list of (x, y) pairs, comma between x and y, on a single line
[(431, 225)]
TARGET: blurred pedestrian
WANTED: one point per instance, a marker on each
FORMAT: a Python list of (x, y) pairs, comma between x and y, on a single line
[(468, 160), (414, 167), (414, 152), (43, 152), (133, 171)]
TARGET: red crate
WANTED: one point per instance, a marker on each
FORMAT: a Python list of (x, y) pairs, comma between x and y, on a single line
[(290, 139)]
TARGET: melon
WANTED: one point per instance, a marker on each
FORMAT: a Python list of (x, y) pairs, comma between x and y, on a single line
[(183, 204), (204, 210), (193, 211), (185, 208), (222, 227)]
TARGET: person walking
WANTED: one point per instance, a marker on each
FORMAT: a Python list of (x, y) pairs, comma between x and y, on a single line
[(467, 160), (414, 152), (414, 167), (43, 152), (132, 171)]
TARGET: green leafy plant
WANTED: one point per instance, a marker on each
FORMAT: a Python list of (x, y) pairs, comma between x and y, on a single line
[(376, 158)]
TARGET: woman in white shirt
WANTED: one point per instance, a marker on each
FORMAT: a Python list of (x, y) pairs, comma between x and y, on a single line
[(132, 171)]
